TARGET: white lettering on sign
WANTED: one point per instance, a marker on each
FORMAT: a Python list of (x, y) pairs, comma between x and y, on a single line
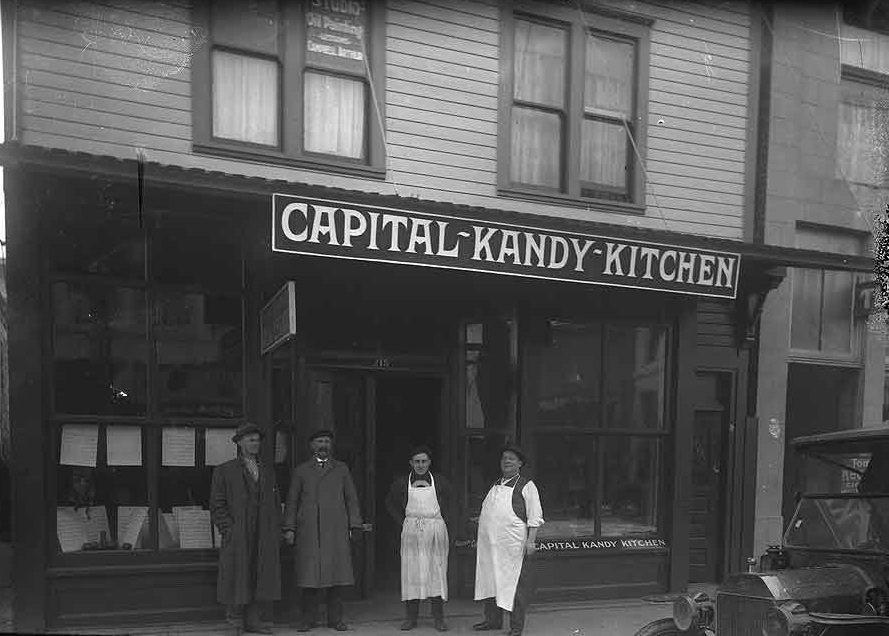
[(410, 237)]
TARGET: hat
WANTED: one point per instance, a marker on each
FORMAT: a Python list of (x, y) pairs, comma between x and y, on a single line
[(246, 429), (321, 432), (514, 448)]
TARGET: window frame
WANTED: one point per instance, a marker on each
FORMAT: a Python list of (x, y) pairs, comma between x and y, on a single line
[(871, 85), (151, 423), (293, 62), (596, 20)]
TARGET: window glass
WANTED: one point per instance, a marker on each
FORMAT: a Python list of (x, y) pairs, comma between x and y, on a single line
[(570, 375), (634, 384), (245, 98), (862, 128), (540, 63), (99, 349), (836, 316), (536, 147), (334, 115), (805, 327), (566, 475), (101, 489), (630, 482), (608, 90), (603, 155), (489, 372), (184, 488), (199, 354)]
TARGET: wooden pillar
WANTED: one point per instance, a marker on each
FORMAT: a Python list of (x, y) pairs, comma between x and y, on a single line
[(29, 532)]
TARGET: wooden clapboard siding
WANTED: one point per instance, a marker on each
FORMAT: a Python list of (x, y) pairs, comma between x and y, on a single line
[(108, 76), (715, 324)]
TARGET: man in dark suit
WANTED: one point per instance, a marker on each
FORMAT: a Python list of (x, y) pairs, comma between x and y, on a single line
[(321, 513), (421, 505), (244, 505)]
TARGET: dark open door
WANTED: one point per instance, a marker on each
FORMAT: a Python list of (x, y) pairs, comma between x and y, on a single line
[(707, 511), (342, 401)]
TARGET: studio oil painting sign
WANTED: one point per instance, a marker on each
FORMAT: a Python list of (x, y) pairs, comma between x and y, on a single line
[(340, 229)]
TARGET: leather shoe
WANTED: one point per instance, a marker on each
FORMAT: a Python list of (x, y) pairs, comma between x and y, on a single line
[(408, 625), (258, 630), (340, 627), (304, 626), (485, 626), (440, 625)]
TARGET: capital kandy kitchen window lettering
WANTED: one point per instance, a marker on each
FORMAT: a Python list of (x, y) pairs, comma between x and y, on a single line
[(289, 80), (573, 121)]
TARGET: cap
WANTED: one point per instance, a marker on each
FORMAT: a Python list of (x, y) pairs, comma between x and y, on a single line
[(322, 432), (515, 448), (246, 429)]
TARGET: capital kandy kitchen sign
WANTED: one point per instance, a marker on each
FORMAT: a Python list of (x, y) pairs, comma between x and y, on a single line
[(341, 229)]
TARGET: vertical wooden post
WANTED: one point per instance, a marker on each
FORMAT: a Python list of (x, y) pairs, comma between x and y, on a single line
[(29, 532)]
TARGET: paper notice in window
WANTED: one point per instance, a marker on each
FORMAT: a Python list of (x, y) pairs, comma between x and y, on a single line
[(194, 529), (96, 518), (178, 446), (217, 538), (131, 520), (218, 446), (124, 445), (70, 529), (281, 444), (80, 443)]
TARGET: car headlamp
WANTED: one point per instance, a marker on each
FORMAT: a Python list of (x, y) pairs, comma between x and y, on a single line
[(692, 611), (777, 623)]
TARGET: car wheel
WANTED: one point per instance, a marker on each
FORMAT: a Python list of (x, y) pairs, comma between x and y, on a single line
[(666, 627)]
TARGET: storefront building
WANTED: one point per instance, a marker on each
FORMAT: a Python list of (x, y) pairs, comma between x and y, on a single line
[(445, 263)]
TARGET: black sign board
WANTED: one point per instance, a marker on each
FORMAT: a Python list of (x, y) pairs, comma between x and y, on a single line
[(340, 229), (277, 319)]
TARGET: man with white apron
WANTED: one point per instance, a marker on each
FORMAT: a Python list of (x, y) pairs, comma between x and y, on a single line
[(507, 535), (419, 503)]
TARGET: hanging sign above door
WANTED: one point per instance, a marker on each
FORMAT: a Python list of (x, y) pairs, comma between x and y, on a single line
[(341, 229), (277, 319)]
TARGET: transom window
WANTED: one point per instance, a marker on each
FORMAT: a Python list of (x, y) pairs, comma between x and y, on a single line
[(291, 83), (572, 125)]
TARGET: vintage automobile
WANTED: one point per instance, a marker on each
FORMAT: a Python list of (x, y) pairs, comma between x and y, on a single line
[(831, 575)]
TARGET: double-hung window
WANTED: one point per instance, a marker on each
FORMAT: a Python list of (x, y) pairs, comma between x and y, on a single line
[(863, 128), (573, 108), (291, 83)]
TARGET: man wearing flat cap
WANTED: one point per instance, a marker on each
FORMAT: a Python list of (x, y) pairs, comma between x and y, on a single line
[(321, 513), (507, 534), (245, 507)]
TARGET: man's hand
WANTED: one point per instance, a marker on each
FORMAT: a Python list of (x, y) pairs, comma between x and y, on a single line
[(289, 537), (530, 547)]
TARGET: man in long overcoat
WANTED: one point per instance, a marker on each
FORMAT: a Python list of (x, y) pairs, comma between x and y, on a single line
[(321, 513), (245, 507)]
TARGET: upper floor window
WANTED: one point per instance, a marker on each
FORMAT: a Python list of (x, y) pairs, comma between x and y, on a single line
[(290, 82), (863, 128), (867, 14), (573, 109)]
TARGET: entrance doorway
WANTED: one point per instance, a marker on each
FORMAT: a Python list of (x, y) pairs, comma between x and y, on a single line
[(408, 414), (377, 417)]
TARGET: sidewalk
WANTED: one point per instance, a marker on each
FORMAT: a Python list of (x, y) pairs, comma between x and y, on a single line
[(599, 618)]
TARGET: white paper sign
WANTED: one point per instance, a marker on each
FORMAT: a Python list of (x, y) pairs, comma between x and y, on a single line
[(218, 446), (80, 444), (70, 529), (124, 445), (194, 528), (178, 446), (131, 520), (96, 518)]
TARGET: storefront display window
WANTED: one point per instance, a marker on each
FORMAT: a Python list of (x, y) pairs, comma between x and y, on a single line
[(102, 494), (147, 379), (599, 392)]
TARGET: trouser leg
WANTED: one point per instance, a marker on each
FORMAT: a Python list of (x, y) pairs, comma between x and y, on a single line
[(334, 605), (234, 615), (258, 614), (437, 607), (493, 614), (523, 593), (412, 609), (308, 606)]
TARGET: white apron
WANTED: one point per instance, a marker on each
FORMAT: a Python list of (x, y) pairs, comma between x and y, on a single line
[(424, 545), (500, 548)]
